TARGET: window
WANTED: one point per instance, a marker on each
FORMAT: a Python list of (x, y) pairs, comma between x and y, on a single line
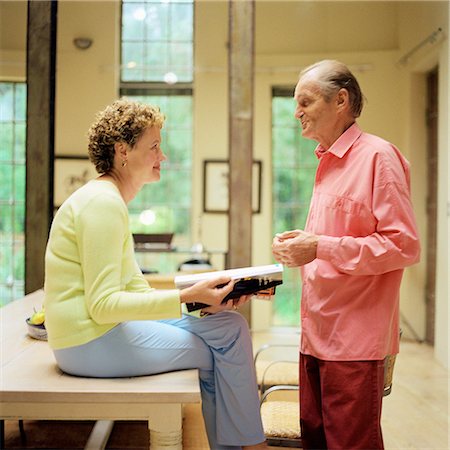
[(12, 190), (294, 166), (157, 68), (170, 197), (157, 38)]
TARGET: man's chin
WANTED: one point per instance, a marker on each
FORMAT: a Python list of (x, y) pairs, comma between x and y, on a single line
[(154, 178)]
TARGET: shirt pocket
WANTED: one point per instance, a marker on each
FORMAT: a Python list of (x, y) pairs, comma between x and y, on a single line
[(343, 216)]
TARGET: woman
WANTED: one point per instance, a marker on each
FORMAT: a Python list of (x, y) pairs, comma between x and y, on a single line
[(104, 320)]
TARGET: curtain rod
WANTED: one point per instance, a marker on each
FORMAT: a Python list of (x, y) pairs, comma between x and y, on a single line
[(431, 39)]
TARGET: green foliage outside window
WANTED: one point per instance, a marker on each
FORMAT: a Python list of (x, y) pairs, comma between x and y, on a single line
[(12, 190), (294, 165)]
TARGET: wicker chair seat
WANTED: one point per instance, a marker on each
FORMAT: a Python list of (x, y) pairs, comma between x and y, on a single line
[(281, 419), (281, 372)]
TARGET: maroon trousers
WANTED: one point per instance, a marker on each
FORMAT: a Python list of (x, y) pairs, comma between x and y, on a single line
[(340, 404)]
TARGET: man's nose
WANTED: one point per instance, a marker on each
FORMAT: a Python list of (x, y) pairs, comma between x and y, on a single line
[(299, 114)]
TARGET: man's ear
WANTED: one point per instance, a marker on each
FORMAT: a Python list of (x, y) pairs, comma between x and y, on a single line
[(342, 98)]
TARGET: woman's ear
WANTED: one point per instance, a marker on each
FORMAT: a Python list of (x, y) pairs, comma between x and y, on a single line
[(121, 150)]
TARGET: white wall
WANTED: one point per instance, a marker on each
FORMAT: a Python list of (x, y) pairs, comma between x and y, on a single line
[(87, 80), (210, 111), (418, 20)]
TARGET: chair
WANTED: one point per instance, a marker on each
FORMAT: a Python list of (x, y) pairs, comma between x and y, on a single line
[(278, 378), (281, 418), (389, 363), (278, 370), (283, 372)]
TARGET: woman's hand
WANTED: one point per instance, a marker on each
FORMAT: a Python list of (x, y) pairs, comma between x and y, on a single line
[(232, 304), (207, 291)]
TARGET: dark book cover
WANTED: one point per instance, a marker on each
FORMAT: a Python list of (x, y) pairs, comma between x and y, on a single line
[(258, 280)]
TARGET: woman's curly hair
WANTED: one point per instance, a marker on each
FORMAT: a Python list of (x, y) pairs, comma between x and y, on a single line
[(122, 121)]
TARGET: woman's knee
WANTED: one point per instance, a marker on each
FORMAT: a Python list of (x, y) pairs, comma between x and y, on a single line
[(235, 325), (233, 317)]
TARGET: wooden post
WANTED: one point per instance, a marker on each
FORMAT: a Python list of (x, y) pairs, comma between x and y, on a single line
[(241, 70), (432, 190), (41, 62)]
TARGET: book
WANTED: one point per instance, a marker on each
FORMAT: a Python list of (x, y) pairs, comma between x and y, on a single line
[(258, 280)]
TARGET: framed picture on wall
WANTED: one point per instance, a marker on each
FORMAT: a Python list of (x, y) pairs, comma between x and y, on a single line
[(215, 186), (71, 172)]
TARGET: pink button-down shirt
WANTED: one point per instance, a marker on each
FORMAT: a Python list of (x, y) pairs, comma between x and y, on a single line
[(362, 211)]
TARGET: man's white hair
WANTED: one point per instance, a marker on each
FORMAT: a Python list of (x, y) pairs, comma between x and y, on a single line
[(331, 76)]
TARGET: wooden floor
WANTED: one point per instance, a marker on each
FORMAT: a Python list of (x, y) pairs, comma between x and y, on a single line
[(415, 415)]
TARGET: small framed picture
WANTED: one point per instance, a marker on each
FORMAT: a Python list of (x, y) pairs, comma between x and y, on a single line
[(71, 172), (215, 186)]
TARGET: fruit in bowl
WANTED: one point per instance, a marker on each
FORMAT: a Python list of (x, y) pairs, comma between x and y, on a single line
[(38, 318), (36, 325)]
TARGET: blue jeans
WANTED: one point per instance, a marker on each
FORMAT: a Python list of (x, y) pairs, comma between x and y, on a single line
[(218, 345)]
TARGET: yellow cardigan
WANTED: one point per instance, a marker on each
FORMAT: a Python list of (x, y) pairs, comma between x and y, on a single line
[(92, 280)]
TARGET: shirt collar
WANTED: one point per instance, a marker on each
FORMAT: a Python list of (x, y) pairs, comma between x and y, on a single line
[(342, 144)]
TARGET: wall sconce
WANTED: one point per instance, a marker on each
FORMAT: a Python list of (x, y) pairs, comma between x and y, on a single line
[(82, 43)]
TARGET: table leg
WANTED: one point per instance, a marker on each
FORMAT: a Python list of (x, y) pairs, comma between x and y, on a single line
[(99, 435), (165, 426)]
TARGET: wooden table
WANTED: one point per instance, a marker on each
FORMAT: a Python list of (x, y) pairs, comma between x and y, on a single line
[(32, 387)]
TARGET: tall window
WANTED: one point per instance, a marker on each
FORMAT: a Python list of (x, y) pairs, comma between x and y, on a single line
[(12, 190), (157, 38), (294, 165), (157, 68)]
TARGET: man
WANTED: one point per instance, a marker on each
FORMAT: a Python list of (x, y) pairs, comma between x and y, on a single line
[(359, 236)]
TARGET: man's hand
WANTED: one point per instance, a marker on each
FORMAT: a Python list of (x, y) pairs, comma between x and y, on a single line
[(295, 248)]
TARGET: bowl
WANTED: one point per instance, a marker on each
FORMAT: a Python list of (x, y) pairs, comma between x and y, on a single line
[(36, 331)]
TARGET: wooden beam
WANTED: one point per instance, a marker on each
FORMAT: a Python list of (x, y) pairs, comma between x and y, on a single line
[(41, 62), (432, 201), (241, 73)]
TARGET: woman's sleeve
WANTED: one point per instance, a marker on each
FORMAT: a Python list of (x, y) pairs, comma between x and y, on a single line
[(102, 233)]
